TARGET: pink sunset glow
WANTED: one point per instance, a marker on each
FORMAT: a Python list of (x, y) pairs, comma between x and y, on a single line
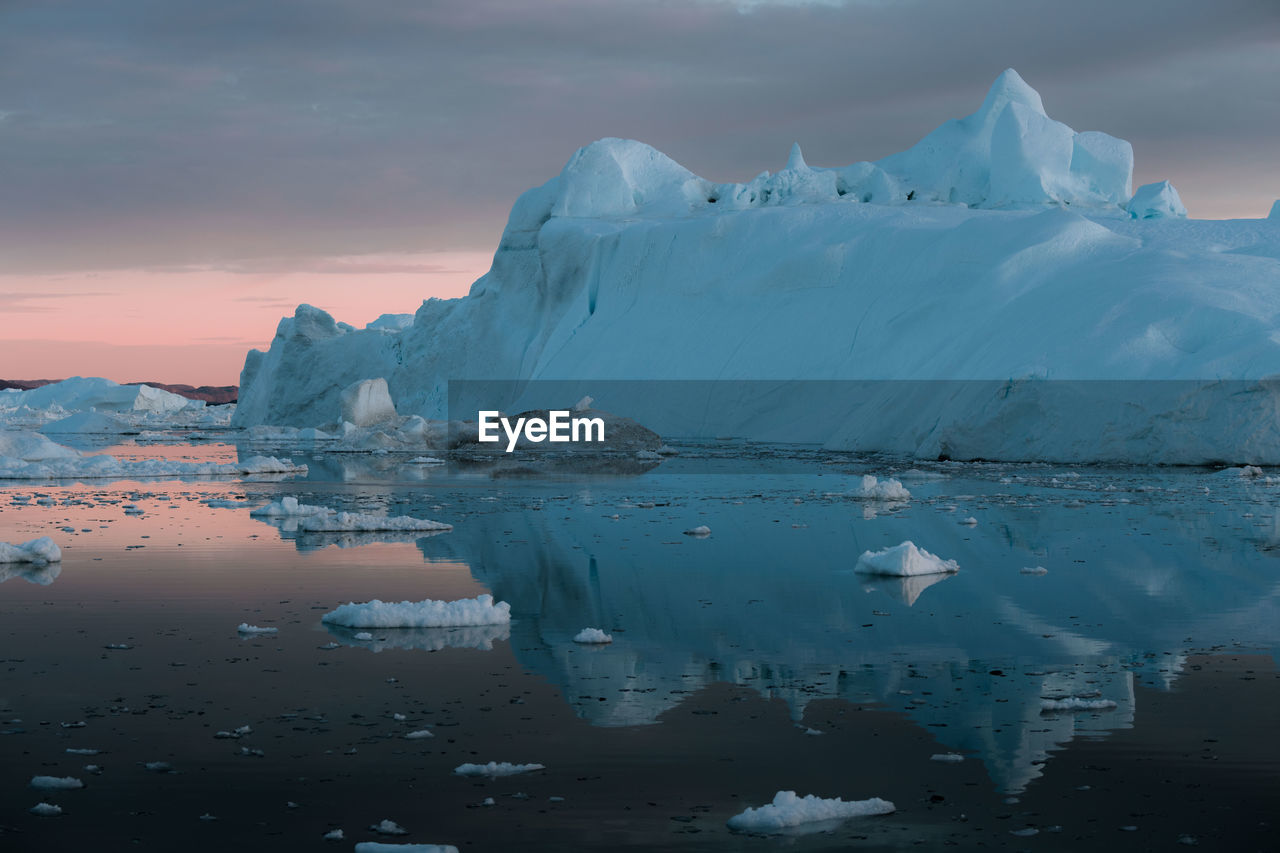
[(195, 325)]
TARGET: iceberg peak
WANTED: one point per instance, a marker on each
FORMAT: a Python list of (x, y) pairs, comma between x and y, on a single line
[(1010, 88), (796, 159)]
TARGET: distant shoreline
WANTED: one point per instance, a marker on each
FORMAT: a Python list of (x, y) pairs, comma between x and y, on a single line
[(215, 395)]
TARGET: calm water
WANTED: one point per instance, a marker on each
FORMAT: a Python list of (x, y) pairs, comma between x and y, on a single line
[(744, 663)]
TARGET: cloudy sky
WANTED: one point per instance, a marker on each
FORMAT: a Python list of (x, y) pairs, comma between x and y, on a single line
[(175, 175)]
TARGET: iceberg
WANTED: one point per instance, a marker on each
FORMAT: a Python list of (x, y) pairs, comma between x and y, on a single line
[(904, 560), (41, 551), (996, 291)]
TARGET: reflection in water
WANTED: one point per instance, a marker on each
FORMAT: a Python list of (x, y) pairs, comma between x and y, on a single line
[(1133, 585), (480, 637), (43, 575)]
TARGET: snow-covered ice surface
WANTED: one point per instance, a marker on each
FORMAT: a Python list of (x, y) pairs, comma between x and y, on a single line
[(789, 810), (480, 610), (384, 847), (996, 291)]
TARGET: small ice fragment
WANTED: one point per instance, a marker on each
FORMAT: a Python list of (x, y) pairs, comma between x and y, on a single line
[(399, 718), (592, 636), (1035, 570), (82, 751), (389, 827), (419, 734), (246, 628), (494, 768), (362, 636), (1074, 703), (969, 522), (701, 531), (1026, 832), (56, 783), (158, 766), (334, 835), (869, 488), (480, 610), (46, 810), (207, 816), (949, 757)]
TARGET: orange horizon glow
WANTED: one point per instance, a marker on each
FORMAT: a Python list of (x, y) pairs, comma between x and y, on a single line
[(195, 325)]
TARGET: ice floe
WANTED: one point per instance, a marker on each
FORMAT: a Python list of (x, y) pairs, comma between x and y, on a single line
[(788, 810), (480, 610), (495, 768)]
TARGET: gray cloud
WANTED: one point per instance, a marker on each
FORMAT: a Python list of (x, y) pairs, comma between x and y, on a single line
[(153, 132)]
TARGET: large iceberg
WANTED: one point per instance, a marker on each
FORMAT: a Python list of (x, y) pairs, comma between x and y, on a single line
[(996, 291)]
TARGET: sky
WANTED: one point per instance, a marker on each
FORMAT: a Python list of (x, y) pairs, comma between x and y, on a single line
[(176, 175)]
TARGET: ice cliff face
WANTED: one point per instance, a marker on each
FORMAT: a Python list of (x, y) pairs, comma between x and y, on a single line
[(1003, 247)]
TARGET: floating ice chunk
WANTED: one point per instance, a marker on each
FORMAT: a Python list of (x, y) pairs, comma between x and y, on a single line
[(246, 628), (947, 757), (389, 827), (334, 835), (648, 455), (592, 636), (46, 810), (363, 636), (904, 560), (1156, 201), (699, 532), (1034, 570), (426, 460), (158, 766), (1025, 832), (1075, 703), (789, 810), (56, 783), (583, 405), (82, 751), (1245, 471), (419, 735), (42, 551), (968, 522), (480, 610), (494, 768), (342, 522), (289, 507), (383, 847), (869, 488)]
